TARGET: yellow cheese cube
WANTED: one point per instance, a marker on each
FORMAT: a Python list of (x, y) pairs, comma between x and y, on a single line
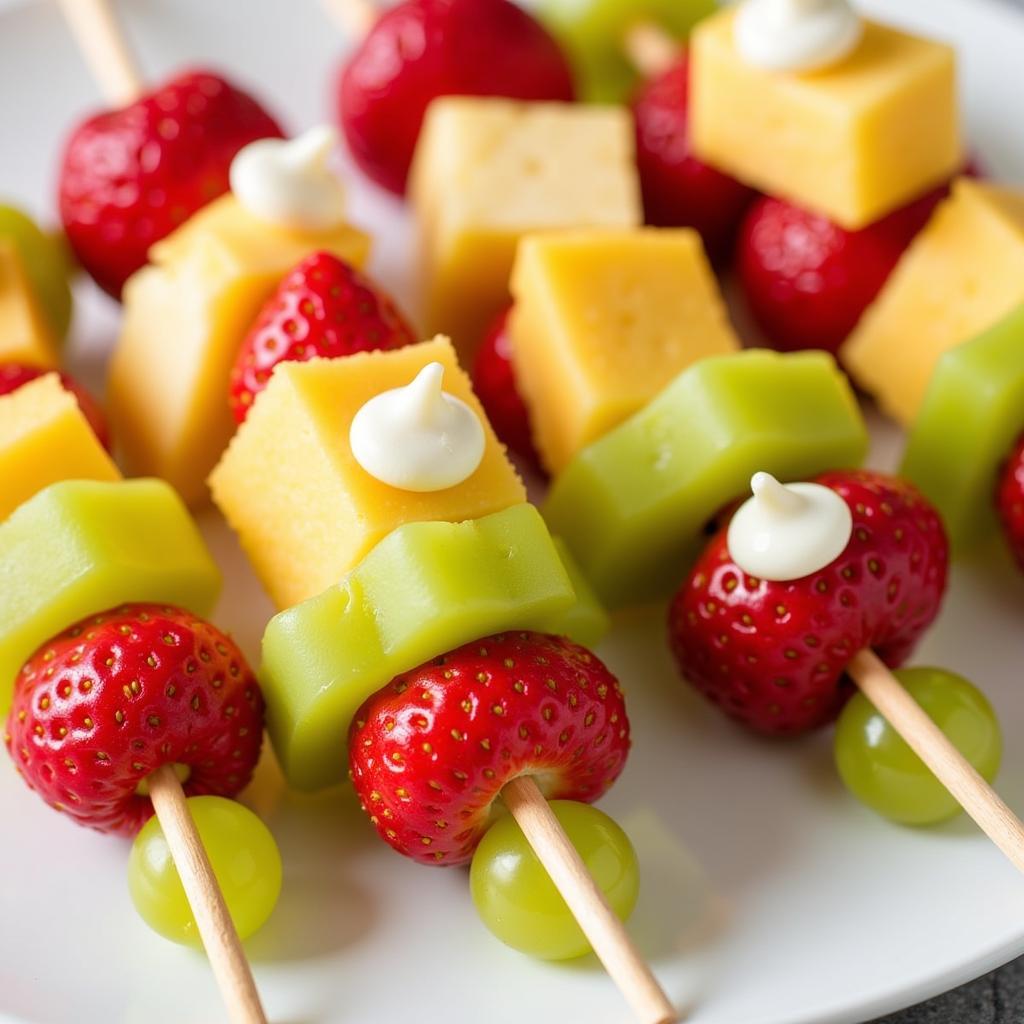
[(963, 273), (602, 321), (488, 171), (854, 141), (25, 334), (44, 438), (305, 510), (185, 316)]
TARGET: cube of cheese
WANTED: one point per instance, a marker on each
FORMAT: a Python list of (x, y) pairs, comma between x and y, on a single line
[(44, 438), (961, 275), (185, 317), (853, 141), (488, 171), (304, 508), (25, 333), (602, 321)]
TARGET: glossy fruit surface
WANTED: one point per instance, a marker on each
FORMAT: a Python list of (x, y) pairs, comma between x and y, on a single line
[(110, 700), (678, 189), (881, 771), (324, 308), (14, 375), (421, 49), (244, 858), (773, 654), (516, 898), (1010, 501), (807, 280), (495, 385), (131, 176), (430, 752), (44, 259)]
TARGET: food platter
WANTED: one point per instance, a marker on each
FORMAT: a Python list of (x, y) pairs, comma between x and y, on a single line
[(769, 896)]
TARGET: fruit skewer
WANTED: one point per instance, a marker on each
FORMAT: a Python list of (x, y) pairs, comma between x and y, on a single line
[(103, 713), (468, 546), (873, 575), (112, 64)]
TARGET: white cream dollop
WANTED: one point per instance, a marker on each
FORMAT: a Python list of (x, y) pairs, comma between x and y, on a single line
[(418, 437), (796, 35), (786, 531), (289, 181)]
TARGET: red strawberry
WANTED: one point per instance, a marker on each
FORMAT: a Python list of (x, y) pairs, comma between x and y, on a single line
[(678, 189), (13, 375), (495, 384), (323, 308), (431, 751), (1010, 501), (104, 704), (773, 654), (807, 280), (131, 176), (421, 49)]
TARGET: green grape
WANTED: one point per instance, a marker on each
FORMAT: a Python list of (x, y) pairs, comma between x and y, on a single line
[(593, 31), (517, 900), (45, 260), (881, 771), (244, 857)]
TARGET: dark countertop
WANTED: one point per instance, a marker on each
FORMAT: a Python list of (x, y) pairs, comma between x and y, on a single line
[(997, 998)]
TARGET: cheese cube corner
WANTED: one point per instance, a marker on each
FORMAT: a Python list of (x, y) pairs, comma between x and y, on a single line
[(45, 438), (854, 141), (961, 275), (602, 320), (486, 172), (25, 334), (305, 510)]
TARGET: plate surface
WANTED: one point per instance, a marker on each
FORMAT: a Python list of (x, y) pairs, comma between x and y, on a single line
[(769, 896)]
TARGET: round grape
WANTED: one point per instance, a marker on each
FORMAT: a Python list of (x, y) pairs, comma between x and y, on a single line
[(881, 771), (517, 900), (244, 857)]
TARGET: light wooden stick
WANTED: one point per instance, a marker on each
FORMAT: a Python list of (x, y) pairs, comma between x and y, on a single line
[(610, 940), (649, 48), (217, 930), (103, 45), (354, 17), (948, 765)]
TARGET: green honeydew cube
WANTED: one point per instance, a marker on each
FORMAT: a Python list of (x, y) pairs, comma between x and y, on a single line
[(425, 589), (78, 548), (633, 507)]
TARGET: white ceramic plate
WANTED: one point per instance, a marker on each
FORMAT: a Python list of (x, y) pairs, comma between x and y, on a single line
[(769, 896)]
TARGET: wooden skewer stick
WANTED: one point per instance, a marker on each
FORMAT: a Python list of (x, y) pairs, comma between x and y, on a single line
[(948, 765), (607, 935), (103, 45), (354, 17), (217, 930), (649, 48)]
